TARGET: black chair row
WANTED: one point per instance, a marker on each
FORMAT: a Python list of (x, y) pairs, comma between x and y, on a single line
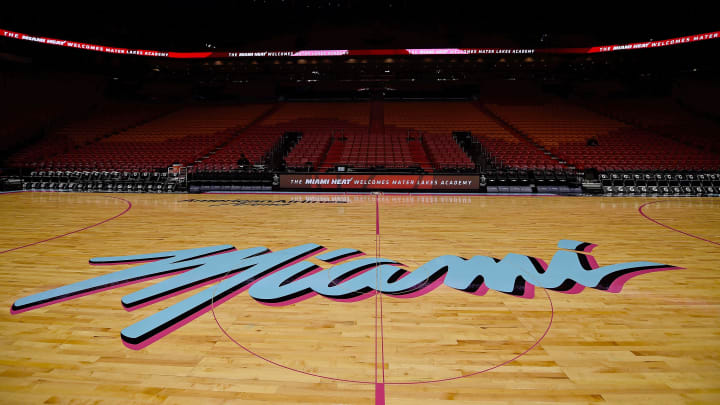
[(229, 175), (103, 186), (660, 179), (96, 175), (525, 178), (661, 190)]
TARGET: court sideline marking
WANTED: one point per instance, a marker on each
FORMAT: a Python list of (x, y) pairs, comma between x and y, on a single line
[(129, 206), (640, 209)]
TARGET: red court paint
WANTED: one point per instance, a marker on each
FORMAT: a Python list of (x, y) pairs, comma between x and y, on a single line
[(129, 205), (331, 378), (378, 298), (640, 209), (379, 394), (377, 215), (377, 289), (379, 379)]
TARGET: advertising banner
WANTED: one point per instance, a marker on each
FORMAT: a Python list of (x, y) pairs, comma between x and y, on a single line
[(380, 181), (356, 52)]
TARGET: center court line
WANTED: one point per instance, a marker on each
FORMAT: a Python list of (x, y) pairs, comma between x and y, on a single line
[(379, 386)]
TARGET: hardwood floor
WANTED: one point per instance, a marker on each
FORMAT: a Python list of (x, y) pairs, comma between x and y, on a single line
[(657, 341)]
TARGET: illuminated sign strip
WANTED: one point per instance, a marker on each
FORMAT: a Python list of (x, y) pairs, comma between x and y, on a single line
[(359, 52), (656, 44), (380, 181)]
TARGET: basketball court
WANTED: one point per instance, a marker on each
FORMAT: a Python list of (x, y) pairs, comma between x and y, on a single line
[(655, 341)]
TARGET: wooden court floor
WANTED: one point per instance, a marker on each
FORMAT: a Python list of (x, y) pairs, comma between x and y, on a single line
[(657, 341)]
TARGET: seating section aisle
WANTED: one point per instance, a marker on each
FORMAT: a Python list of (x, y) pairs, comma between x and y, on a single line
[(505, 149), (325, 128), (322, 142), (179, 137), (437, 120), (586, 139), (316, 121)]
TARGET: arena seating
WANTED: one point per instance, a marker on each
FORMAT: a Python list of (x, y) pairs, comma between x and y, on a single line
[(516, 154), (445, 153), (254, 143), (432, 123), (505, 149), (636, 149), (389, 150), (127, 147), (324, 128), (34, 104), (346, 135), (322, 142), (180, 137), (665, 117), (566, 130), (108, 119)]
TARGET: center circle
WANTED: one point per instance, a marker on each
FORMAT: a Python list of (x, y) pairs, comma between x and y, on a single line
[(274, 363)]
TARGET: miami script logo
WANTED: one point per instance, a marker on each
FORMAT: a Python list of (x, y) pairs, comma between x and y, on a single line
[(284, 277)]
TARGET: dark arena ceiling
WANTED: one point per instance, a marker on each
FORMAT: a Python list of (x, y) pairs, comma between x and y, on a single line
[(288, 25), (343, 24)]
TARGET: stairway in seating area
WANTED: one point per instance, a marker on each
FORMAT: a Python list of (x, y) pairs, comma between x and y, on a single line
[(512, 147), (377, 118), (334, 153), (419, 155), (248, 138)]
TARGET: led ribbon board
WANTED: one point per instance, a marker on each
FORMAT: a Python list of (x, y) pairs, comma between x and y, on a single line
[(358, 52)]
